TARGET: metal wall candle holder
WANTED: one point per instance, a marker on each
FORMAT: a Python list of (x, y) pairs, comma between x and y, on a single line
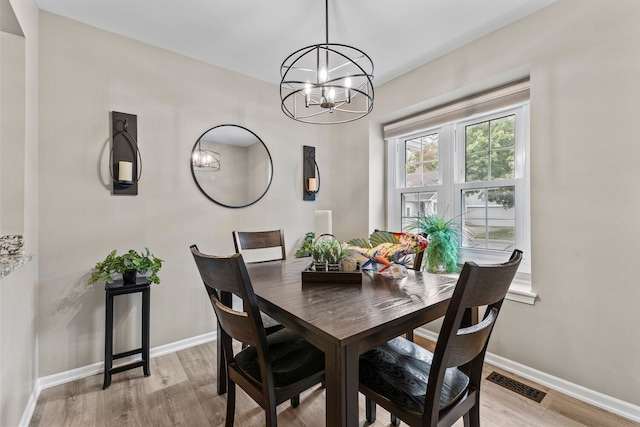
[(125, 161), (310, 174)]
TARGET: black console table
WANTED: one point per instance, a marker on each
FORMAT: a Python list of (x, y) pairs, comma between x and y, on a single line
[(119, 288)]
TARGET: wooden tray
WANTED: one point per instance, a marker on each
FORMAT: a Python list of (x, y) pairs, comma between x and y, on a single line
[(310, 276)]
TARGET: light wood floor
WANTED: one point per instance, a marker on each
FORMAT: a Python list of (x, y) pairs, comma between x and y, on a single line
[(181, 392)]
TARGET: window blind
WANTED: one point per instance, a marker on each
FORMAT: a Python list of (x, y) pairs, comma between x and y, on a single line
[(481, 103)]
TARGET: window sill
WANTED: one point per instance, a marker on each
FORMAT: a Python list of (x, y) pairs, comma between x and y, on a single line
[(10, 263), (519, 291)]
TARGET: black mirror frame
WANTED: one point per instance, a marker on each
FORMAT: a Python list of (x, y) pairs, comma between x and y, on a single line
[(193, 174)]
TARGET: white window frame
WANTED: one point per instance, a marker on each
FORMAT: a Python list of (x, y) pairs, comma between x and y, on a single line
[(451, 162)]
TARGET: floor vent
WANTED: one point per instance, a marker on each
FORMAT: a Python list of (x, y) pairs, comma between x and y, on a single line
[(517, 387)]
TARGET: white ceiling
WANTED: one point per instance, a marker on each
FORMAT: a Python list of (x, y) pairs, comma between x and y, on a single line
[(253, 37)]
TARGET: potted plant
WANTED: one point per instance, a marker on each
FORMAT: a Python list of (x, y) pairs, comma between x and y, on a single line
[(129, 265), (443, 251), (328, 253), (336, 253), (320, 253), (307, 244)]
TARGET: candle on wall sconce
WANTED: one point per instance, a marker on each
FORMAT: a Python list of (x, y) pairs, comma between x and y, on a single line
[(313, 185), (125, 172), (310, 174)]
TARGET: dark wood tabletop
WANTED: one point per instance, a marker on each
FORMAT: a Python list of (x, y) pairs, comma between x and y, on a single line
[(346, 320)]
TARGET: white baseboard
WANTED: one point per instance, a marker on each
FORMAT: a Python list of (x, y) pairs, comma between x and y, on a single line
[(608, 403), (96, 368), (31, 406)]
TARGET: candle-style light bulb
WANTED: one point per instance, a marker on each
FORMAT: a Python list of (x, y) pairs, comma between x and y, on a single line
[(347, 83), (322, 75), (307, 94)]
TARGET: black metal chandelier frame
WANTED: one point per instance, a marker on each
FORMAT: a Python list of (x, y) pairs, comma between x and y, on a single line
[(312, 100)]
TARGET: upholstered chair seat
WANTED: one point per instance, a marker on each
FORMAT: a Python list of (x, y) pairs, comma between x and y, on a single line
[(270, 324), (292, 359), (399, 370)]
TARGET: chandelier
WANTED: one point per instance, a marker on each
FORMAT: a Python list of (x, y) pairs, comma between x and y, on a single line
[(205, 160), (327, 83)]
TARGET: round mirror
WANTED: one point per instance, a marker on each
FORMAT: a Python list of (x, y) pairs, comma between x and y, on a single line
[(231, 166)]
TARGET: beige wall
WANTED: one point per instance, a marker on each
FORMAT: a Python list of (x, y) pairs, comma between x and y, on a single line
[(84, 74), (18, 290), (583, 57)]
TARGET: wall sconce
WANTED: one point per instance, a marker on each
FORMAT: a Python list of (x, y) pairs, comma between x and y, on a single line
[(125, 161), (310, 174)]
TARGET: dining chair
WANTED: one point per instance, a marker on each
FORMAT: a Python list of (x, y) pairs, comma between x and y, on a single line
[(436, 389), (252, 243), (274, 368), (246, 242)]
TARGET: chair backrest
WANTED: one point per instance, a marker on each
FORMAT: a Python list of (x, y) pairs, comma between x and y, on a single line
[(229, 274), (464, 346), (417, 261), (249, 243)]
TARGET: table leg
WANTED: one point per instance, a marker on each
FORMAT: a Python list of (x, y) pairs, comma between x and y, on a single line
[(108, 340), (470, 317), (146, 300), (221, 364), (341, 372)]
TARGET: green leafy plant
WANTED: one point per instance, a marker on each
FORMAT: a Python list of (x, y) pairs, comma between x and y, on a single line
[(307, 244), (337, 252), (320, 250), (328, 249), (142, 262), (444, 236)]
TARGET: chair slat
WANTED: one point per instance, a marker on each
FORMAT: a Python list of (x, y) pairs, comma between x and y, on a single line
[(236, 323), (249, 240)]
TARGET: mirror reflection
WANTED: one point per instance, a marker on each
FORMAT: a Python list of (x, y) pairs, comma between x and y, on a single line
[(231, 166)]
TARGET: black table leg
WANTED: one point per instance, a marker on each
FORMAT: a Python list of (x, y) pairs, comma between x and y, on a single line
[(146, 299), (108, 340)]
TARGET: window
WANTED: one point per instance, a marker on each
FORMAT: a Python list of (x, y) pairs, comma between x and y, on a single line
[(488, 188), (467, 161)]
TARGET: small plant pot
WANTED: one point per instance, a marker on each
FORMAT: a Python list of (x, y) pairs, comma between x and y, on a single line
[(129, 277), (320, 266), (349, 264), (333, 267)]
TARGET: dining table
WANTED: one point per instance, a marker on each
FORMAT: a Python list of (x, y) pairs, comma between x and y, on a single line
[(346, 320)]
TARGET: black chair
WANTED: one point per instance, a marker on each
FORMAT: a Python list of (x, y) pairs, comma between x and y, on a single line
[(274, 368), (247, 241), (436, 389), (250, 241)]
